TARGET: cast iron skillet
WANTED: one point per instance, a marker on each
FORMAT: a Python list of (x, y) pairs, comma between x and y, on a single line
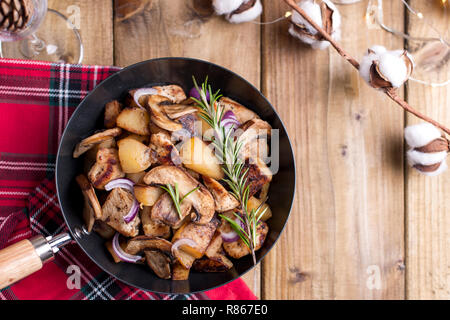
[(88, 117)]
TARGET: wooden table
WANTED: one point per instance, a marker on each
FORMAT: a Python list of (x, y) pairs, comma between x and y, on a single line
[(360, 214)]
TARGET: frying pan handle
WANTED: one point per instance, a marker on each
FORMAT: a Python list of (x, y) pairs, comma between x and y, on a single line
[(28, 256)]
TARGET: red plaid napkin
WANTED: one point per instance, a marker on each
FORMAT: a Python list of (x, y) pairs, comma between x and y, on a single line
[(36, 101)]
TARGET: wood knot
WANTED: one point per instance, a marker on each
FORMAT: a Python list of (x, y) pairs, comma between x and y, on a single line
[(344, 150), (298, 276), (401, 265)]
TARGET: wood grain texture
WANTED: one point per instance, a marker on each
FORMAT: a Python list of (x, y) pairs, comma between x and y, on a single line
[(17, 262), (427, 201), (347, 220), (188, 29), (96, 28)]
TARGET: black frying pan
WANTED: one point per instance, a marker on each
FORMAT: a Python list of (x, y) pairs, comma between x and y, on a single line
[(88, 117)]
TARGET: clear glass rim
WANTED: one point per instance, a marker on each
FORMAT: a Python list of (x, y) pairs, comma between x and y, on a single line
[(40, 10), (74, 29)]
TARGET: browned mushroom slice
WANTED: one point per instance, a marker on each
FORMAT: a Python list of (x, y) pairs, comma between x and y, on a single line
[(92, 209), (138, 244), (258, 175), (173, 92), (238, 249), (163, 150), (151, 227), (112, 110), (215, 246), (158, 116), (165, 212), (202, 201), (106, 168), (175, 111), (116, 207), (224, 201), (159, 263), (218, 263), (254, 138), (192, 173), (97, 138), (201, 235), (179, 272), (155, 129), (256, 148), (242, 113), (260, 127), (90, 157)]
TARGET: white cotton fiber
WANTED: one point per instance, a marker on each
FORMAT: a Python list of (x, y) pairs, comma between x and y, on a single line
[(393, 68), (314, 12), (226, 6), (248, 15), (421, 134), (377, 49), (365, 64), (426, 159), (438, 171)]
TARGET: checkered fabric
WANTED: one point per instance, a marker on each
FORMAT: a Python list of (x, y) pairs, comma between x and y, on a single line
[(36, 102)]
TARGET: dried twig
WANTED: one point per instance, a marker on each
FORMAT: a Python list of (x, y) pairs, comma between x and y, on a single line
[(390, 92)]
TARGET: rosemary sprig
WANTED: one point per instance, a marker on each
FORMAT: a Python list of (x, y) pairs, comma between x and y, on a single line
[(175, 195), (228, 152)]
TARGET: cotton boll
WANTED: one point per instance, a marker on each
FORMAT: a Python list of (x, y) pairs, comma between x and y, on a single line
[(302, 30), (313, 11), (337, 20), (226, 6), (315, 44), (437, 172), (383, 69), (423, 158), (365, 65), (377, 49), (248, 15), (393, 69), (421, 134), (428, 149)]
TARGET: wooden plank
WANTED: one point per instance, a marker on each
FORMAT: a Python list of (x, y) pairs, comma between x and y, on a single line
[(96, 28), (347, 221), (427, 201), (188, 29)]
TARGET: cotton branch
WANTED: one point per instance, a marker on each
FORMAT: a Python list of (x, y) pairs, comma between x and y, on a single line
[(390, 92)]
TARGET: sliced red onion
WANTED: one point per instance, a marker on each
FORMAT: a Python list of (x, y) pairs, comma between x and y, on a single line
[(181, 242), (229, 236), (232, 236), (143, 92), (229, 121), (120, 183), (239, 221), (122, 254), (132, 213), (194, 93)]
